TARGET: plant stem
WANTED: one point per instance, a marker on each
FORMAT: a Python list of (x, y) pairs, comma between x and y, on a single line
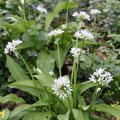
[(58, 49), (24, 10), (67, 11), (72, 116), (93, 98), (75, 86), (30, 73)]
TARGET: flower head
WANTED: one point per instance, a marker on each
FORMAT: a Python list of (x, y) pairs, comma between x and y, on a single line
[(81, 15), (41, 9), (84, 34), (76, 53), (22, 1), (64, 26), (101, 77), (11, 47), (95, 11), (61, 87), (55, 32), (51, 73)]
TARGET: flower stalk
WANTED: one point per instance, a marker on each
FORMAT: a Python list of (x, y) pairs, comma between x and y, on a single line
[(59, 62), (30, 73)]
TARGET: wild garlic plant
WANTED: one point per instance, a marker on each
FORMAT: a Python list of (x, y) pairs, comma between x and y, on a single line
[(57, 96)]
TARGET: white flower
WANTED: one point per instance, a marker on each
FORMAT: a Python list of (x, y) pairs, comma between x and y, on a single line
[(22, 1), (55, 32), (98, 90), (41, 9), (62, 87), (64, 26), (81, 15), (38, 71), (11, 47), (76, 53), (95, 11), (101, 77), (51, 73), (84, 34)]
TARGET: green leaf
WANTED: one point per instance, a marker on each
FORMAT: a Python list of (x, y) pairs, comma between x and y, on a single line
[(45, 62), (19, 25), (80, 115), (94, 117), (26, 86), (59, 7), (45, 80), (63, 117), (81, 102), (55, 56), (25, 107), (26, 44), (11, 98), (16, 71), (115, 111), (38, 116), (82, 87), (6, 116)]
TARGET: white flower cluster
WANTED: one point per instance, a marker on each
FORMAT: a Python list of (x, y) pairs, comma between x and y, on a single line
[(22, 1), (84, 34), (101, 77), (62, 87), (55, 32), (41, 9), (64, 26), (95, 11), (11, 47), (76, 53), (81, 15)]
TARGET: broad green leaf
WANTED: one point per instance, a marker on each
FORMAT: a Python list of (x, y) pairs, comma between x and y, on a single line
[(45, 80), (55, 56), (59, 7), (40, 39), (6, 114), (81, 102), (19, 25), (115, 111), (89, 43), (94, 117), (26, 44), (38, 116), (11, 98), (45, 62), (26, 86), (80, 115), (82, 87), (63, 117), (25, 107), (15, 69)]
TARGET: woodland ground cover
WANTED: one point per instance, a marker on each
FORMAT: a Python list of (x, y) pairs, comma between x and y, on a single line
[(59, 60)]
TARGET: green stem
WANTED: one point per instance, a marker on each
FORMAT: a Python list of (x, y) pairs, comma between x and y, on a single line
[(93, 98), (30, 73), (58, 49), (73, 71), (71, 112), (75, 86), (67, 11), (60, 101), (24, 8)]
